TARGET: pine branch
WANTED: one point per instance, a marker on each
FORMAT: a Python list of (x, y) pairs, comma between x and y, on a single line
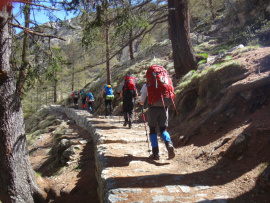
[(155, 22), (36, 33)]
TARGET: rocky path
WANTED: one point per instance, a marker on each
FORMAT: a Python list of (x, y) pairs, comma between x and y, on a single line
[(126, 174)]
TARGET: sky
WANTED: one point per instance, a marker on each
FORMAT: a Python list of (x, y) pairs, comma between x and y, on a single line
[(40, 16)]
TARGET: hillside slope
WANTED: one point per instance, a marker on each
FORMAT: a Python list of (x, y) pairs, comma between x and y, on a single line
[(221, 137)]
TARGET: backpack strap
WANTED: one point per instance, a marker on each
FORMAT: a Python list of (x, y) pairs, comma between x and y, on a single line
[(172, 102)]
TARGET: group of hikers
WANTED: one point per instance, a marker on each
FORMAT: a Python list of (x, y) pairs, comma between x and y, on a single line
[(160, 93), (85, 97)]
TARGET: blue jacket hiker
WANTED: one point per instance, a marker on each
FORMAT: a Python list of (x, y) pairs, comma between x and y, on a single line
[(90, 100), (108, 97)]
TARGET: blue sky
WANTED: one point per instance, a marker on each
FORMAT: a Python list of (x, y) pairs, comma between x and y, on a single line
[(40, 16)]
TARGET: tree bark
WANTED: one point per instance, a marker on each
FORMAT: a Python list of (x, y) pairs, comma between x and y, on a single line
[(183, 54), (108, 55), (55, 88), (17, 177), (22, 74), (131, 52), (212, 9), (72, 79)]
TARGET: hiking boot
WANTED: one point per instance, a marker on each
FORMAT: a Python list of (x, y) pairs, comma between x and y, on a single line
[(155, 153), (125, 123), (170, 149), (154, 156), (130, 124)]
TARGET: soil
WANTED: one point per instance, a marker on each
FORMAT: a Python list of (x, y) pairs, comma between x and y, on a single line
[(73, 184), (200, 158)]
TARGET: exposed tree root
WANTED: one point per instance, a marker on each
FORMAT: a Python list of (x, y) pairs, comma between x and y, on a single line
[(218, 146)]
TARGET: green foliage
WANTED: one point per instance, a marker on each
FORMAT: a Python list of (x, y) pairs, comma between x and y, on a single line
[(77, 168), (205, 55), (202, 62), (252, 33), (38, 174)]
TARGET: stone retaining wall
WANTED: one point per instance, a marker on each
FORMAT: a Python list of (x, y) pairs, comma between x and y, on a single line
[(84, 122)]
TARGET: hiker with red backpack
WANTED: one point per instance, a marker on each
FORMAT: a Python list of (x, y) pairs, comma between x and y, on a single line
[(75, 96), (108, 97), (129, 94), (160, 92)]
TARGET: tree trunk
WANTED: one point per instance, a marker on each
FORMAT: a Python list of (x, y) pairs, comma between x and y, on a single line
[(131, 52), (183, 54), (17, 178), (22, 74), (72, 80), (37, 98), (54, 86), (55, 92), (108, 55), (212, 9)]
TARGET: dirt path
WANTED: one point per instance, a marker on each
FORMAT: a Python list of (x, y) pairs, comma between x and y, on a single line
[(76, 181), (128, 175)]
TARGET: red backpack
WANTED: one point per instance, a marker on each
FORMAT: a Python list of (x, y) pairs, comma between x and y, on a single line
[(159, 86), (130, 83), (130, 86)]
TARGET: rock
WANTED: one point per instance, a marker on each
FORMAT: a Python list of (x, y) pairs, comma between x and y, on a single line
[(65, 191), (163, 198), (68, 152), (64, 143), (264, 179), (53, 193), (239, 146)]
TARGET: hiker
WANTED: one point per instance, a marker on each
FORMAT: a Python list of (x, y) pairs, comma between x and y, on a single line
[(129, 93), (90, 100), (83, 96), (75, 97), (160, 94), (108, 97)]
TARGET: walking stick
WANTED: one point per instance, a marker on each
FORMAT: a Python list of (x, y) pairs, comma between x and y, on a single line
[(149, 150), (120, 110)]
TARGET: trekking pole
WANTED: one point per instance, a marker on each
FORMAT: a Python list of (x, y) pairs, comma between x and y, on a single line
[(120, 110), (149, 150), (136, 119)]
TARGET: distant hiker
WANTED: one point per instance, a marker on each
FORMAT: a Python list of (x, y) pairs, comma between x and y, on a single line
[(160, 93), (90, 100), (108, 96), (83, 97), (129, 93), (75, 97)]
